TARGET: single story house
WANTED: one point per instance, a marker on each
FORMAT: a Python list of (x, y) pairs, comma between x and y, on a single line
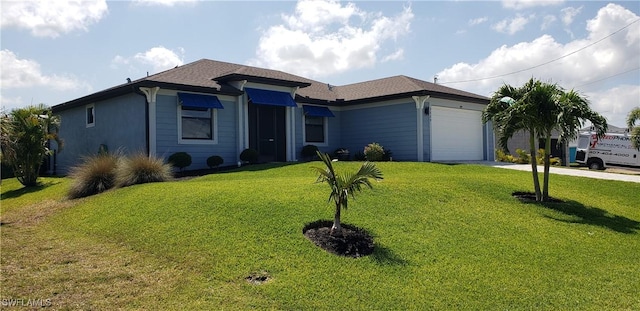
[(210, 108)]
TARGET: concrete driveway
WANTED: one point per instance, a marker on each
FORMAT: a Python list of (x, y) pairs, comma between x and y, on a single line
[(568, 171)]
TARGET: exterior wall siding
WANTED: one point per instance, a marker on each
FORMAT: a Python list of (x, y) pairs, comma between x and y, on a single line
[(120, 124), (167, 134), (392, 126)]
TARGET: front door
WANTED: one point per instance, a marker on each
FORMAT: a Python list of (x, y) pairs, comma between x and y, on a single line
[(267, 132)]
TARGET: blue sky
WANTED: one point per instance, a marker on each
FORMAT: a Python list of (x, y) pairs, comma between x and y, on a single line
[(55, 51)]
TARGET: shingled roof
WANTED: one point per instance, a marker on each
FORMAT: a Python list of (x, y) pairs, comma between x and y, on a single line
[(210, 76)]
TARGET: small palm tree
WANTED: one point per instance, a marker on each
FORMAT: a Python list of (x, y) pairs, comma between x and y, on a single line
[(634, 130), (344, 185)]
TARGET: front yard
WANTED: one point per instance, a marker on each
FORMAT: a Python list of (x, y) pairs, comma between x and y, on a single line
[(447, 237)]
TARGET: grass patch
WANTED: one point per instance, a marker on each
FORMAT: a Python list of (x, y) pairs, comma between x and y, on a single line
[(447, 237)]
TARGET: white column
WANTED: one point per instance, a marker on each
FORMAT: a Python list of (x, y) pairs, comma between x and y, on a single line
[(151, 94), (420, 100)]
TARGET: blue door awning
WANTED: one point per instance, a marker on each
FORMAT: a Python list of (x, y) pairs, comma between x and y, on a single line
[(316, 111), (199, 101), (273, 98)]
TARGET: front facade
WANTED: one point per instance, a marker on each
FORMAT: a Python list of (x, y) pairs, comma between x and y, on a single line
[(210, 108)]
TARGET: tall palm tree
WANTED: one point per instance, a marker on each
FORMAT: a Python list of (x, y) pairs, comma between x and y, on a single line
[(566, 113), (540, 108), (344, 185), (632, 118), (510, 110)]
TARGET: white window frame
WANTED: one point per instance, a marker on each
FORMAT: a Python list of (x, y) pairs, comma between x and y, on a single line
[(325, 127), (214, 128), (93, 115)]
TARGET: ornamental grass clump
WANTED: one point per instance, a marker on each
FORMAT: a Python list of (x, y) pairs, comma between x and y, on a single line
[(140, 169), (96, 174)]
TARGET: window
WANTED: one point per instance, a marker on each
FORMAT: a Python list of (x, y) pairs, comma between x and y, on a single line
[(91, 115), (314, 129), (196, 125)]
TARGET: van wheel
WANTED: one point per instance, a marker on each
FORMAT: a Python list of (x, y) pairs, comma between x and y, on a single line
[(595, 165)]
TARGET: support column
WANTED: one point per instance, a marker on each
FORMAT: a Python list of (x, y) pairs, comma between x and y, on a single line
[(151, 94), (420, 101)]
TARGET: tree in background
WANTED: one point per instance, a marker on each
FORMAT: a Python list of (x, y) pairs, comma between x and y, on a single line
[(24, 139), (540, 108), (634, 130)]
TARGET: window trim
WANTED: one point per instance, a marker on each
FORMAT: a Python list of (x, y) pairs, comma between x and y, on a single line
[(93, 115), (214, 128), (325, 128)]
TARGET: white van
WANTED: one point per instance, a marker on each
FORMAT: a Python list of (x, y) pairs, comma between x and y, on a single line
[(612, 149)]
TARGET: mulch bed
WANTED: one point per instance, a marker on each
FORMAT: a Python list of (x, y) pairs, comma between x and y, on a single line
[(354, 242)]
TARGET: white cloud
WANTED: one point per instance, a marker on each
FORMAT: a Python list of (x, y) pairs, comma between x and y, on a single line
[(10, 103), (524, 4), (52, 18), (159, 58), (478, 21), (614, 55), (25, 73), (325, 37), (568, 14), (511, 26), (168, 3), (615, 103), (399, 54), (547, 21)]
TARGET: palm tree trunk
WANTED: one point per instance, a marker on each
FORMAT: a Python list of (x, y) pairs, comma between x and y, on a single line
[(547, 164), (336, 228), (534, 165)]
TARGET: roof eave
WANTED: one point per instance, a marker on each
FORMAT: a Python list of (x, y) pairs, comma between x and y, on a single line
[(263, 80), (133, 88)]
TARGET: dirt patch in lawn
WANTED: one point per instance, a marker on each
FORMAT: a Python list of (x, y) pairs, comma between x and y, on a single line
[(354, 242)]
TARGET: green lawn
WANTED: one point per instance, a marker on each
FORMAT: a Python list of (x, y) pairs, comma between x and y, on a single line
[(447, 237)]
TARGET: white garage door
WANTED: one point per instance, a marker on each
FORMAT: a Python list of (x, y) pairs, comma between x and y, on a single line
[(456, 134)]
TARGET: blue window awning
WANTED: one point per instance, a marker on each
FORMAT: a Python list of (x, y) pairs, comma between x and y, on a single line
[(273, 98), (199, 101), (316, 111)]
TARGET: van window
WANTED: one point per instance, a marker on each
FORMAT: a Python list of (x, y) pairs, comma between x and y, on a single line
[(583, 142)]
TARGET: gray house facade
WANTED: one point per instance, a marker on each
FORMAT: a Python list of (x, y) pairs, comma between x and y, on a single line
[(210, 108)]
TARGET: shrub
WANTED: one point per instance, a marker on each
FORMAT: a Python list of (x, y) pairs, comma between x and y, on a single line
[(504, 157), (214, 161), (359, 156), (374, 152), (387, 155), (140, 169), (308, 151), (249, 155), (180, 160), (523, 157), (96, 174), (341, 154)]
